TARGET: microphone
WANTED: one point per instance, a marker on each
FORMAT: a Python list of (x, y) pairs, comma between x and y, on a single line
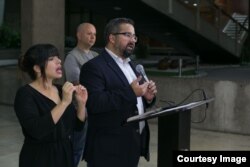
[(139, 68)]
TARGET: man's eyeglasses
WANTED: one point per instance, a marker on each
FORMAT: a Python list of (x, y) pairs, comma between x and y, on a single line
[(127, 34)]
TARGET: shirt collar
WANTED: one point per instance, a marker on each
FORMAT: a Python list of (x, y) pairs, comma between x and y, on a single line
[(82, 51), (117, 58)]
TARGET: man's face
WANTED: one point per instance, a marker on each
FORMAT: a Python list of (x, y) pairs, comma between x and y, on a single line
[(125, 40), (87, 35)]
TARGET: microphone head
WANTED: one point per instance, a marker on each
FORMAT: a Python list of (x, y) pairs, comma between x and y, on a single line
[(139, 68)]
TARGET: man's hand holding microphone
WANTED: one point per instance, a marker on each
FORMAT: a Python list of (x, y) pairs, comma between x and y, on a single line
[(147, 89)]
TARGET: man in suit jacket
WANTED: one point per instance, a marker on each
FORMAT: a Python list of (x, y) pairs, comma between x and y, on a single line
[(116, 93)]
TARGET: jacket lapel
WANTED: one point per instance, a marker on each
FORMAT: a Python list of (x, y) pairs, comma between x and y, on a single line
[(112, 64), (133, 68)]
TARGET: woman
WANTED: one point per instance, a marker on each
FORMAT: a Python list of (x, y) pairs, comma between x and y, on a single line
[(45, 110)]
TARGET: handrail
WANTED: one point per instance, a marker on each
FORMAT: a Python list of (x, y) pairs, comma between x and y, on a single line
[(245, 21), (216, 7), (226, 14), (8, 62), (217, 16)]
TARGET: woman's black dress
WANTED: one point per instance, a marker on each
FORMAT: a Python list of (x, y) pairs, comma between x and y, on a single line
[(45, 144)]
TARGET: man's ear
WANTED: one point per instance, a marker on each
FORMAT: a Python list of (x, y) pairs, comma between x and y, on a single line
[(78, 35), (112, 38)]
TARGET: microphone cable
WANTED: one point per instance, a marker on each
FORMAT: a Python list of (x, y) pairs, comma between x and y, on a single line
[(172, 104)]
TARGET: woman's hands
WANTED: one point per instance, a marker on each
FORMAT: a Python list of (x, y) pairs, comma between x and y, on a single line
[(81, 93), (67, 91), (81, 96)]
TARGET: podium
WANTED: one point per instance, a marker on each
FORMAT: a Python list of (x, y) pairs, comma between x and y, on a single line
[(173, 134), (174, 124)]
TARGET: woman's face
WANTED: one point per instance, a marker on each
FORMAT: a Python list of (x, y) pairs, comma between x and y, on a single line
[(53, 69)]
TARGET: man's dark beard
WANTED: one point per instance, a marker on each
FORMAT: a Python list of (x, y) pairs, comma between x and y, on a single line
[(127, 53)]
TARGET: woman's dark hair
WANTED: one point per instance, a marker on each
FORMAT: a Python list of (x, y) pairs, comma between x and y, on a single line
[(113, 26), (37, 55)]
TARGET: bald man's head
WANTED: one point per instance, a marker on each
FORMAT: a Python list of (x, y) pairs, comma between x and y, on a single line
[(86, 35)]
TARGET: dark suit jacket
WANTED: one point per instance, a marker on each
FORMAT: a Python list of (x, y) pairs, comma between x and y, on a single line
[(111, 101)]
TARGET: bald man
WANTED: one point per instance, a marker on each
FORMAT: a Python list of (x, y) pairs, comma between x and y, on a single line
[(86, 37)]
